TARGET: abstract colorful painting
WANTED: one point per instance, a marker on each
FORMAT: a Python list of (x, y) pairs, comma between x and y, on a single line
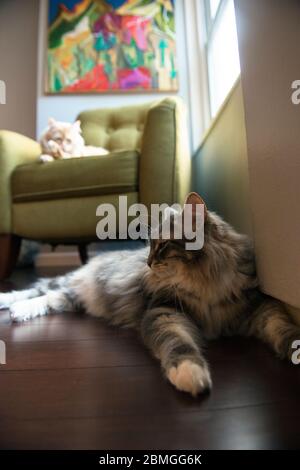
[(111, 46)]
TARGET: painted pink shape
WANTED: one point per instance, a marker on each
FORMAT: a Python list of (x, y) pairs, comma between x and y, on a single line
[(135, 78), (135, 27)]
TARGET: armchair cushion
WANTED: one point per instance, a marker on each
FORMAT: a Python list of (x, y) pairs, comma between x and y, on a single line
[(115, 173), (115, 128)]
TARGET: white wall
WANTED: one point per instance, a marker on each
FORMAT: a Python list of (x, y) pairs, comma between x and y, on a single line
[(268, 33), (66, 108)]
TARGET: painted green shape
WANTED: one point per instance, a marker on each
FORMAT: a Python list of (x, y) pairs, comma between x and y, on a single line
[(140, 57), (131, 54), (89, 64), (108, 67), (173, 72), (99, 44), (57, 83), (164, 21), (149, 57), (163, 44)]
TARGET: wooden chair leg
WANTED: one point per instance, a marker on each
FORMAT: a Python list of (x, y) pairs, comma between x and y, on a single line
[(83, 253), (9, 252)]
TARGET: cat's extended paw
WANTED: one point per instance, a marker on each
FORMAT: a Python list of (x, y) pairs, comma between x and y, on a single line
[(28, 309), (19, 312), (6, 300), (190, 377), (46, 158)]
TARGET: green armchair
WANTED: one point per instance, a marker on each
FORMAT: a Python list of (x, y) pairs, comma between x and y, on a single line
[(56, 202)]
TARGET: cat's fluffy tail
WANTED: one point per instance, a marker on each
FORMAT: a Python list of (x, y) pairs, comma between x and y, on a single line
[(38, 289)]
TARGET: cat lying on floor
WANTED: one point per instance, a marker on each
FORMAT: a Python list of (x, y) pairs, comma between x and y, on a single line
[(64, 140), (174, 298)]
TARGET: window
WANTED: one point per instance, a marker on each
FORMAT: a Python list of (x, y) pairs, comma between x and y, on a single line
[(213, 7), (222, 50)]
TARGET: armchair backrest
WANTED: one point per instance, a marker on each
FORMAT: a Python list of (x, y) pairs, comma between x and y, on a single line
[(159, 131), (115, 128)]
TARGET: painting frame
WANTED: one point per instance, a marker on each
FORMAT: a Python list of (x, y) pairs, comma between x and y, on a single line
[(110, 91)]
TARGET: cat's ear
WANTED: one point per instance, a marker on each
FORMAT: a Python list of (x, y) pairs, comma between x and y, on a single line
[(77, 126), (191, 202), (51, 122)]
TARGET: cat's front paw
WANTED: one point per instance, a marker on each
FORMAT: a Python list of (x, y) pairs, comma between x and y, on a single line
[(190, 377), (19, 312), (46, 158), (28, 309)]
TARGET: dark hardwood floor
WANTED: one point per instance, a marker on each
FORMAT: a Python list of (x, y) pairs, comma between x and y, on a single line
[(72, 382)]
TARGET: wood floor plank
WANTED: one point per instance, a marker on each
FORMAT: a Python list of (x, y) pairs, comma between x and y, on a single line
[(71, 381), (99, 391), (256, 427), (112, 351), (58, 328)]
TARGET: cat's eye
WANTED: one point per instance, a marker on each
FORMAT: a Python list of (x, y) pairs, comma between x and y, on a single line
[(69, 141), (58, 140)]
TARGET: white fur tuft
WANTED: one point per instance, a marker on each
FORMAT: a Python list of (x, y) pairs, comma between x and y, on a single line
[(28, 309)]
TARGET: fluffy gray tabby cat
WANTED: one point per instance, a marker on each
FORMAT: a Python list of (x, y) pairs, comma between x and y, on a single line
[(174, 298)]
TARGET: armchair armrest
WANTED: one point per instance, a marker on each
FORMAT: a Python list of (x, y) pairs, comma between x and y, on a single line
[(15, 149), (165, 166)]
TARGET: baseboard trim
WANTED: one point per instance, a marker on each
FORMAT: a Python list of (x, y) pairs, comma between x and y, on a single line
[(57, 259)]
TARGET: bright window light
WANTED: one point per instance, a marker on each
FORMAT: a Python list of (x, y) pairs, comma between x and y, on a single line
[(214, 4), (223, 55)]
